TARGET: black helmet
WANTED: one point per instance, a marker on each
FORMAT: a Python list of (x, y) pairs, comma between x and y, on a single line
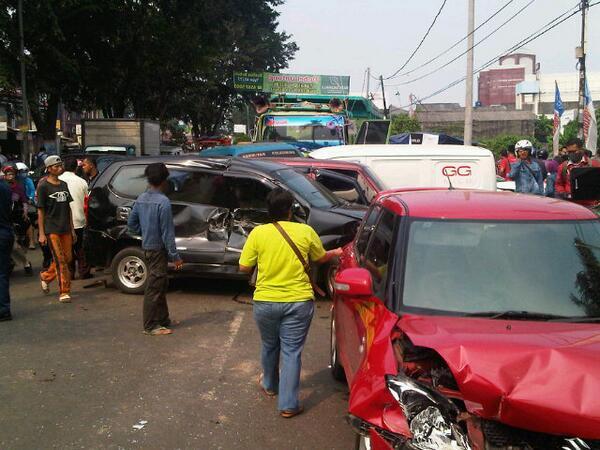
[(541, 154)]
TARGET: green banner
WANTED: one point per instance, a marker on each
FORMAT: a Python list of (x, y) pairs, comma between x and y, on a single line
[(289, 83), (248, 81)]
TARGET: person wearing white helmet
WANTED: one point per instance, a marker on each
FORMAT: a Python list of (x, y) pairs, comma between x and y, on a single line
[(526, 172)]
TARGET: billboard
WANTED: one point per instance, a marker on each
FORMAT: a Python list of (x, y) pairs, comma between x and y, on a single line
[(289, 83)]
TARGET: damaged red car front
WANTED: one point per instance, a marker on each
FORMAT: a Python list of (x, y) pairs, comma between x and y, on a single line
[(471, 320)]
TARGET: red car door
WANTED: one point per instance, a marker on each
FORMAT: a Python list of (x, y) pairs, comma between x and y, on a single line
[(347, 310)]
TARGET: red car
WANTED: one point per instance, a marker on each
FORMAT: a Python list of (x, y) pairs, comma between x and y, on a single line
[(351, 181), (471, 320)]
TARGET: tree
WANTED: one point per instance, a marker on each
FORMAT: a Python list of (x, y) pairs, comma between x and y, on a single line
[(570, 131), (504, 141), (543, 128), (143, 58), (403, 123)]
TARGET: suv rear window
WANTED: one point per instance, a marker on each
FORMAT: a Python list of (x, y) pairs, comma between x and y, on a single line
[(129, 181)]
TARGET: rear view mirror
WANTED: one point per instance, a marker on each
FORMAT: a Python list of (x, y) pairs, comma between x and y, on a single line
[(354, 282)]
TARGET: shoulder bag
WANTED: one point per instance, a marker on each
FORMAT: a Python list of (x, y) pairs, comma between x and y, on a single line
[(305, 264)]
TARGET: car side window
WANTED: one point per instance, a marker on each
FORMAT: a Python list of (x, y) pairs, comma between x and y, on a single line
[(342, 188), (192, 186), (247, 193), (365, 232), (377, 256), (187, 186), (129, 181)]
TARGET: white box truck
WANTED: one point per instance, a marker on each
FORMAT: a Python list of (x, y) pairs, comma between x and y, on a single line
[(400, 166), (134, 137)]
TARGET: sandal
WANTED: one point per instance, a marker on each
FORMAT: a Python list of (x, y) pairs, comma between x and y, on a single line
[(160, 331), (288, 414), (266, 391)]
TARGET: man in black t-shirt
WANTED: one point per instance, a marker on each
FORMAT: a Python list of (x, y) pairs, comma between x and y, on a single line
[(56, 227)]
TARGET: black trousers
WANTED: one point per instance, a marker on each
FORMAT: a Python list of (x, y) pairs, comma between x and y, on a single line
[(79, 257), (156, 311)]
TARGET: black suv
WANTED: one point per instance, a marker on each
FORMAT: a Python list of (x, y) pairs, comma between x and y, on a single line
[(216, 203)]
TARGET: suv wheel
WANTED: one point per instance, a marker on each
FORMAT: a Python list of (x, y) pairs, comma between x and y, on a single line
[(337, 371), (130, 271)]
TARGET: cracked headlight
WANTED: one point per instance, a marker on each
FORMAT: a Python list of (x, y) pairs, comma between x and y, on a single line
[(431, 416)]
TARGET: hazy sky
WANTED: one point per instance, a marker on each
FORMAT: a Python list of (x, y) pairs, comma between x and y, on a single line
[(344, 37)]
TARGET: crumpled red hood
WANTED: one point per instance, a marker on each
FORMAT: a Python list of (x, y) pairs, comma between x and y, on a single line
[(542, 376)]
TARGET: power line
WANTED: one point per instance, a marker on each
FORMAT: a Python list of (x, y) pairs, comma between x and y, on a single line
[(456, 58), (543, 30), (420, 43), (453, 46)]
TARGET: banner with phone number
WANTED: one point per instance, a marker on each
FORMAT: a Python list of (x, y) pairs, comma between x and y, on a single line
[(287, 83)]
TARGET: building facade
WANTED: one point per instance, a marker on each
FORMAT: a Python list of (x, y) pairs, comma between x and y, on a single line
[(496, 86), (536, 92)]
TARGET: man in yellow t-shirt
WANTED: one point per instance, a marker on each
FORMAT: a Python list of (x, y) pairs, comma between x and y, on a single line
[(283, 306)]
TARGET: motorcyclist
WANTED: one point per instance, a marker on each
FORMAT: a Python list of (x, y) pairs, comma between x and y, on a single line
[(526, 172), (577, 157)]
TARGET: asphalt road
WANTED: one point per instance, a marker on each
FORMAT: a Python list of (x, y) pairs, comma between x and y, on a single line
[(81, 375)]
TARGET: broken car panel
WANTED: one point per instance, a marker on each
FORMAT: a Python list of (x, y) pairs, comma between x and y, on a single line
[(424, 371), (215, 204)]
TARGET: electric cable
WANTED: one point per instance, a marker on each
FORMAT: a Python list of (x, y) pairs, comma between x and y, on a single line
[(420, 43), (453, 46), (456, 58), (543, 30)]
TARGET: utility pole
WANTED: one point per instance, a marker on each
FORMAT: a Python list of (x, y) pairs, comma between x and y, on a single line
[(368, 80), (58, 127), (468, 135), (580, 54), (26, 148), (385, 114)]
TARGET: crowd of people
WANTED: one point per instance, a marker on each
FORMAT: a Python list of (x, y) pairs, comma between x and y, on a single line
[(280, 252), (535, 173), (55, 209)]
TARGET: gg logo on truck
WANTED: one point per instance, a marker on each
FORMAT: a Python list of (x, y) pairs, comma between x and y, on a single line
[(461, 171)]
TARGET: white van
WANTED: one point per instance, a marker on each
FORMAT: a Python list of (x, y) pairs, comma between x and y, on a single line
[(400, 166)]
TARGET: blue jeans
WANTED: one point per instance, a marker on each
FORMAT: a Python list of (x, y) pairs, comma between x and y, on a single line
[(550, 185), (6, 245), (283, 329)]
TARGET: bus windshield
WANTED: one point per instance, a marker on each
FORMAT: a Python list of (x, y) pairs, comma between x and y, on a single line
[(324, 130)]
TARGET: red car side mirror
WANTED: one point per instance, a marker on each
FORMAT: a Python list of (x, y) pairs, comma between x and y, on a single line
[(354, 282)]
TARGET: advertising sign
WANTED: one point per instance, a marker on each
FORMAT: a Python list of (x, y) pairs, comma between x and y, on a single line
[(248, 81), (289, 83)]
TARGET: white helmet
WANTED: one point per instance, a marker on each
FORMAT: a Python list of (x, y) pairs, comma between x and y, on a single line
[(22, 166), (523, 143)]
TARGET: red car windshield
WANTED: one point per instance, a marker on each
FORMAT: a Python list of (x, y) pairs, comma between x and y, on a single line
[(476, 266)]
